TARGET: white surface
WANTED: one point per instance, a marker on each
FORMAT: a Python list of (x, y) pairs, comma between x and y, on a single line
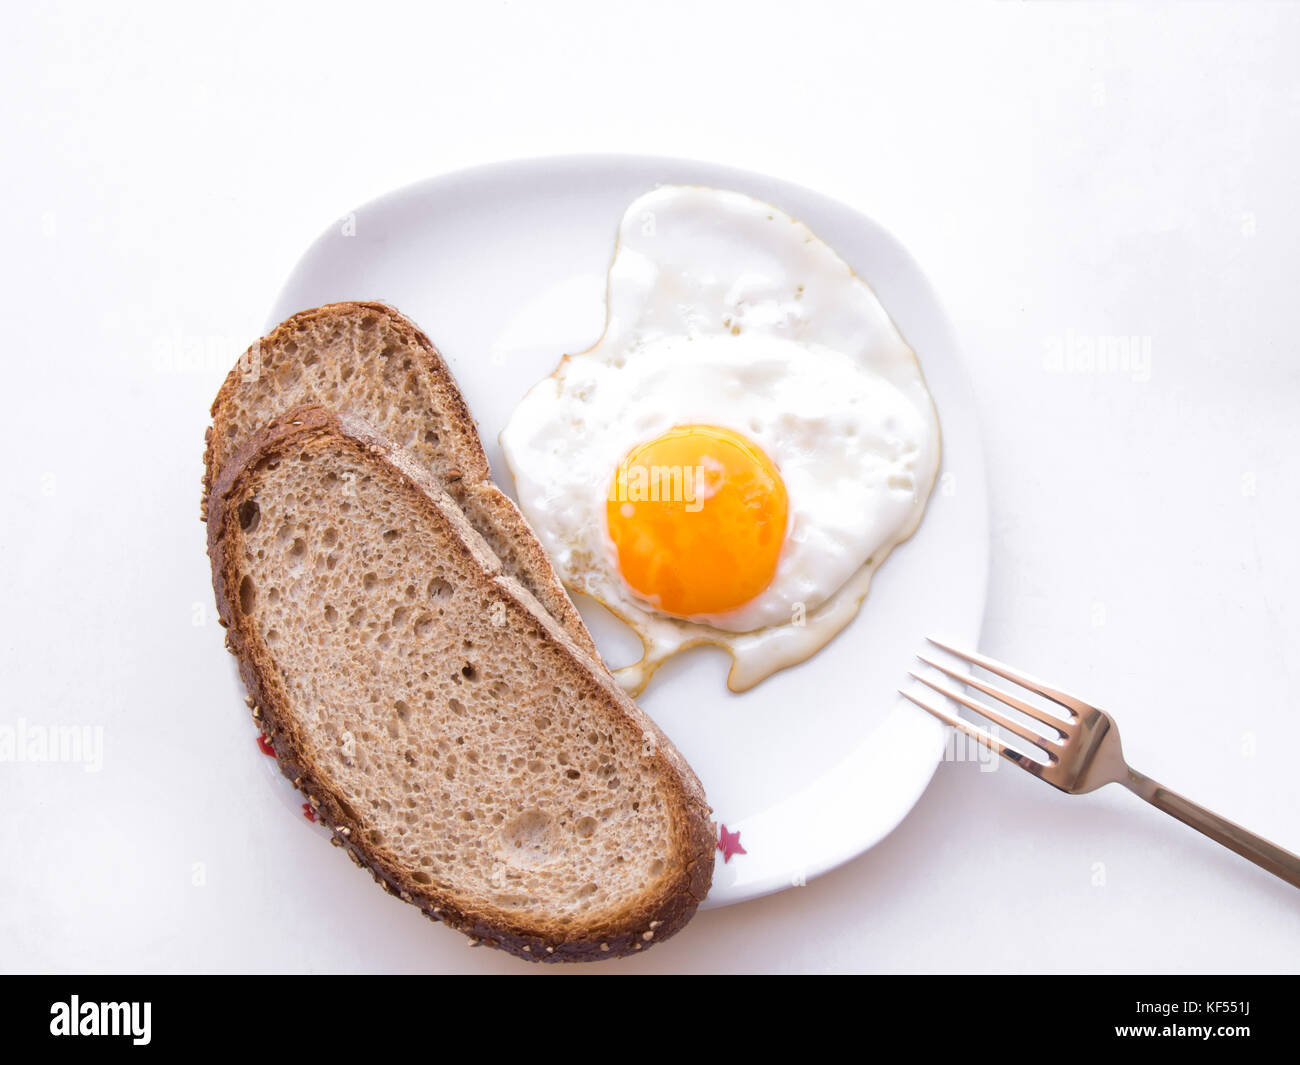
[(818, 762), (1059, 171)]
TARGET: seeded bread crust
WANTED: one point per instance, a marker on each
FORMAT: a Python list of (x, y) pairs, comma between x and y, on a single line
[(641, 923), (298, 362)]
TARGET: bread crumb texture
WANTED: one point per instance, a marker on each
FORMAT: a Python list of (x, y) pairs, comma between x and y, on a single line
[(367, 361), (362, 363), (463, 757)]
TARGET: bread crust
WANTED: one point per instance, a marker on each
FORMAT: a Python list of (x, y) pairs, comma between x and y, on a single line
[(469, 482), (653, 918)]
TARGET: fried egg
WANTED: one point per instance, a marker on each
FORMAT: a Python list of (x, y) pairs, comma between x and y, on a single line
[(738, 453)]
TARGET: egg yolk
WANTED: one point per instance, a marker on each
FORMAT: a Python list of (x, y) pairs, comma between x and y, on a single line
[(698, 519)]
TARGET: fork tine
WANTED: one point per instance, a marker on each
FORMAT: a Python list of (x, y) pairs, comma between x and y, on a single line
[(979, 736), (1071, 703), (1055, 723), (1023, 731)]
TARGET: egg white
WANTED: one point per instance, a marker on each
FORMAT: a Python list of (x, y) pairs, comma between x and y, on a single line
[(722, 310)]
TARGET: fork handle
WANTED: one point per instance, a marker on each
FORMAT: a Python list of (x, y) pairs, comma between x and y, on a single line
[(1266, 855)]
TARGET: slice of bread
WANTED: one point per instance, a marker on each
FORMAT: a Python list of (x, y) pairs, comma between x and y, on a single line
[(368, 361), (455, 739)]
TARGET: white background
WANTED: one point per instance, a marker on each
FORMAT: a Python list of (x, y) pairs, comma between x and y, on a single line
[(1060, 172)]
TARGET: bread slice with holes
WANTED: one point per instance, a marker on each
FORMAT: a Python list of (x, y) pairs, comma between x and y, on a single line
[(455, 739), (368, 361)]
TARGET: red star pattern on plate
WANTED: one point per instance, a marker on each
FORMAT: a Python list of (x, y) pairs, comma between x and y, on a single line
[(264, 745), (729, 844)]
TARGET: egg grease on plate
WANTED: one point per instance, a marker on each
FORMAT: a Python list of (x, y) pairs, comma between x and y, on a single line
[(742, 448)]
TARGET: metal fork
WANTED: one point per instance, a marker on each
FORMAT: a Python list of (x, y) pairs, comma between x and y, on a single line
[(1084, 754)]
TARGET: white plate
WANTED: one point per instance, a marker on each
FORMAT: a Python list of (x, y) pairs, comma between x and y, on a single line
[(504, 268)]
